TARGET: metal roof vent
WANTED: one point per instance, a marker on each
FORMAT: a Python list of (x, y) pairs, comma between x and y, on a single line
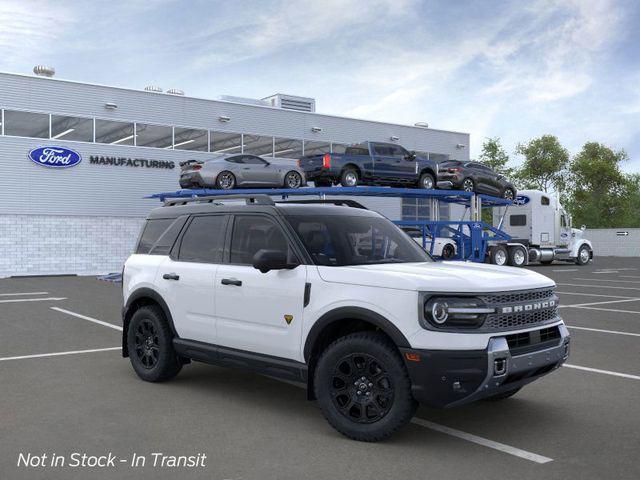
[(422, 124), (291, 102), (175, 91), (44, 71), (153, 88)]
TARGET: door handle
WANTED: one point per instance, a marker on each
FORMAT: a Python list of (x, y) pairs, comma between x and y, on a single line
[(171, 276), (231, 281)]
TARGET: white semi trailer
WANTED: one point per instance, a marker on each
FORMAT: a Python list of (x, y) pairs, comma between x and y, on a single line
[(540, 231)]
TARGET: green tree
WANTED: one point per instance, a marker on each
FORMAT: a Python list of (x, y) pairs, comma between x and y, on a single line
[(545, 164), (600, 194), (494, 156)]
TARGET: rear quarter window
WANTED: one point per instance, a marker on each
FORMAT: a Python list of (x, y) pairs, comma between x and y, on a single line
[(151, 232)]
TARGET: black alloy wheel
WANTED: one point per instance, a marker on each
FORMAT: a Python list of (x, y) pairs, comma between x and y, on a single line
[(361, 388), (226, 180), (146, 341)]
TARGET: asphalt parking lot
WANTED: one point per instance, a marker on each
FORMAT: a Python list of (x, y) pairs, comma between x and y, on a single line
[(64, 387)]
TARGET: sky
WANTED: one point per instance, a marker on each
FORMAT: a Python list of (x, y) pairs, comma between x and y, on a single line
[(514, 70)]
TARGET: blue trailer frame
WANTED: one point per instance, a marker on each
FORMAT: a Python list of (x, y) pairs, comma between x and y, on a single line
[(472, 237)]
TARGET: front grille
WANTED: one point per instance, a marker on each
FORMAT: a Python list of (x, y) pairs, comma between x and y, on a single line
[(517, 297), (497, 321)]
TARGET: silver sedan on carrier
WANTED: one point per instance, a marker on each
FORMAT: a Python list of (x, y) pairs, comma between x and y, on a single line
[(241, 170)]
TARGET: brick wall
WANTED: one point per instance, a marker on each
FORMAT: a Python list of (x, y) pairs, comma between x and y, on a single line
[(611, 242), (53, 245)]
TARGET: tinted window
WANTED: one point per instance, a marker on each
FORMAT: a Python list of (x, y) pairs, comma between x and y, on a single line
[(190, 139), (26, 124), (252, 160), (238, 159), (157, 136), (336, 240), (252, 233), (544, 201), (225, 142), (72, 128), (151, 233), (382, 150), (204, 240), (357, 151), (518, 220), (168, 238), (258, 145), (287, 148), (316, 148), (115, 133)]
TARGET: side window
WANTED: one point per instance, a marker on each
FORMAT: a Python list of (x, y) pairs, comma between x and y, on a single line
[(168, 238), (253, 160), (204, 240), (544, 201), (398, 151), (238, 159), (151, 233), (252, 233), (563, 221), (381, 149), (518, 220)]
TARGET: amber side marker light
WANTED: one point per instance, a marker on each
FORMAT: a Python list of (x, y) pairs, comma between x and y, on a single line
[(412, 357)]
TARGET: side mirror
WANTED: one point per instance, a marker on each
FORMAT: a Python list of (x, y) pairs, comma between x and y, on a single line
[(265, 260), (410, 156), (583, 228)]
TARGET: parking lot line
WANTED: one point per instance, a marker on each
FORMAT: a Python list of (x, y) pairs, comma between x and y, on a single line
[(534, 457), (89, 319), (592, 294), (57, 354), (599, 303), (607, 280), (616, 332), (567, 270), (608, 309), (606, 372), (17, 300), (629, 276), (598, 286), (23, 293)]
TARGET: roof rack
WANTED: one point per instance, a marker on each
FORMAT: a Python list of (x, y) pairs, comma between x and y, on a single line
[(338, 202), (257, 199)]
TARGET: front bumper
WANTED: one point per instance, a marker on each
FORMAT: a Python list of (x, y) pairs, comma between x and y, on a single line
[(449, 378)]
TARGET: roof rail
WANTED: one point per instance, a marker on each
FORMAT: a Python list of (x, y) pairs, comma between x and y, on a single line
[(338, 202), (258, 199)]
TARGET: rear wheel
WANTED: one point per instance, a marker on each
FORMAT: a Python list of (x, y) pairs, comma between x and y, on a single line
[(448, 251), (349, 178), (468, 185), (363, 387), (426, 181), (499, 255), (517, 256), (150, 344), (293, 180), (226, 180), (503, 395)]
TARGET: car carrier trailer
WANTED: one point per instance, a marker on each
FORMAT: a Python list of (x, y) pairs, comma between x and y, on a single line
[(475, 240)]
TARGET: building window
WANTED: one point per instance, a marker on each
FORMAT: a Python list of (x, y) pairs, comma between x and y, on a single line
[(26, 124), (115, 133), (316, 148), (157, 136), (225, 142), (190, 139), (287, 148), (257, 145), (71, 128)]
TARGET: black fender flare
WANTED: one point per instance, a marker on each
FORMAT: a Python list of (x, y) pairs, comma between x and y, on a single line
[(352, 313), (139, 294)]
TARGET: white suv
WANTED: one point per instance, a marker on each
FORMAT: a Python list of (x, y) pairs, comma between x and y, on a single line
[(339, 298)]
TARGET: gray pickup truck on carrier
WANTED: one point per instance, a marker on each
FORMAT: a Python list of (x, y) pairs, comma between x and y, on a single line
[(371, 163)]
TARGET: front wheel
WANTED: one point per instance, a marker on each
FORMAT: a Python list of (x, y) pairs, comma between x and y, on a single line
[(363, 387), (468, 185), (584, 255), (293, 180), (150, 344), (427, 182)]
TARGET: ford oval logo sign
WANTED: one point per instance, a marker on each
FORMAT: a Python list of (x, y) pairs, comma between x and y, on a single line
[(55, 157), (521, 200)]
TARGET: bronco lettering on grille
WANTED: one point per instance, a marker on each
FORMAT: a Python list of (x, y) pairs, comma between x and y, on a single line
[(528, 307)]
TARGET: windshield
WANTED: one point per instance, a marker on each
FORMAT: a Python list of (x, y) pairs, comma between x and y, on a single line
[(338, 240)]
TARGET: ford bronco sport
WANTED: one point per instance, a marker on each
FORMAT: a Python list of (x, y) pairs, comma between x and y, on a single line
[(336, 297)]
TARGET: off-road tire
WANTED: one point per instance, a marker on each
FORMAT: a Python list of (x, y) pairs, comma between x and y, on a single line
[(503, 395), (150, 322), (377, 354)]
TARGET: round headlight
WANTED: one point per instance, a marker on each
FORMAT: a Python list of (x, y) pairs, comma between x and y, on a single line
[(440, 312)]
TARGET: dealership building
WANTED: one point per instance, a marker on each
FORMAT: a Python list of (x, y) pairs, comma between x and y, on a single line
[(127, 144)]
